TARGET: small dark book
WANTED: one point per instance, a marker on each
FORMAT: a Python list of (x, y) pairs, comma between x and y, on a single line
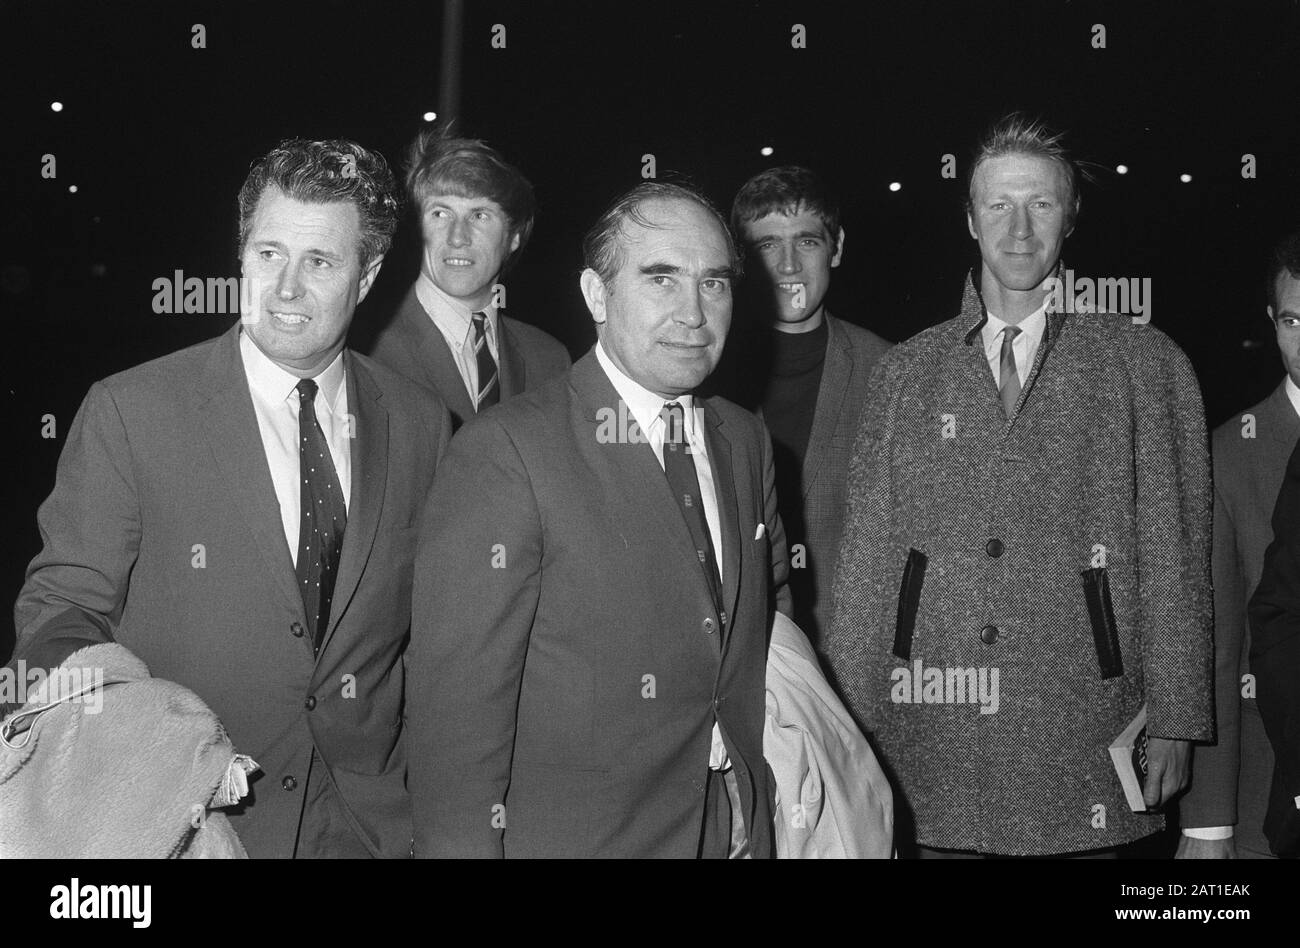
[(1129, 754)]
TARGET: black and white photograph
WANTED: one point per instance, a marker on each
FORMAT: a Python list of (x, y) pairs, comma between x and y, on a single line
[(639, 430)]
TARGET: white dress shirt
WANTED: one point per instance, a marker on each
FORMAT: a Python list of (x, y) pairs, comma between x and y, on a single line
[(275, 402), (645, 407), (1024, 347), (455, 321)]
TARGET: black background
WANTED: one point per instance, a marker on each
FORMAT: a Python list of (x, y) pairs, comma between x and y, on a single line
[(158, 136)]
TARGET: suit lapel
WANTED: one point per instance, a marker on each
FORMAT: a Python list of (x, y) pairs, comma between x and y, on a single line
[(836, 374), (1280, 421), (229, 424), (510, 360), (435, 357), (369, 453)]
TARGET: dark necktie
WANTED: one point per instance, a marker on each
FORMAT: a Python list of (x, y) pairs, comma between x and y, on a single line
[(1009, 390), (489, 386), (324, 516), (679, 467)]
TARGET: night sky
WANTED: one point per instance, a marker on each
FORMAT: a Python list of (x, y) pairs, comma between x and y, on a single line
[(157, 137)]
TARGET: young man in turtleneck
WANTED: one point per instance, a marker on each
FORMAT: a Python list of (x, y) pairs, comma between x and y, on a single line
[(816, 371)]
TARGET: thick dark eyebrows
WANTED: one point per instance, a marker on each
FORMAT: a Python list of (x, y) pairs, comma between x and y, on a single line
[(669, 269), (1287, 313), (313, 252)]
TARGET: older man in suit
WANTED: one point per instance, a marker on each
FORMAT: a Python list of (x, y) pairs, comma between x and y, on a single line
[(1026, 561), (241, 515), (817, 365), (591, 616), (450, 334), (1223, 813)]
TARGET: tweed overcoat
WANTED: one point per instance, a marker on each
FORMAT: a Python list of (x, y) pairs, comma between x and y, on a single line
[(1065, 548)]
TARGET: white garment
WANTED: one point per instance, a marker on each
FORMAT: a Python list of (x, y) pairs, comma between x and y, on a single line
[(275, 402)]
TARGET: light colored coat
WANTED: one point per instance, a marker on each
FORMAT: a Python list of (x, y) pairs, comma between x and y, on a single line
[(1097, 488)]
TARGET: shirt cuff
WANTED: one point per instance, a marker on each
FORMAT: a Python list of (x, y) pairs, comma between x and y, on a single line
[(1208, 832)]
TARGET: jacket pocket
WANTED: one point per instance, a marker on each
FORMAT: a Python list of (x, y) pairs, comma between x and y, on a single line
[(909, 598), (1105, 634)]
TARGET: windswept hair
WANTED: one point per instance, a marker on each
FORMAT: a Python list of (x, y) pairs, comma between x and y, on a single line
[(1285, 256), (1021, 134), (439, 163), (786, 190), (602, 246), (324, 172)]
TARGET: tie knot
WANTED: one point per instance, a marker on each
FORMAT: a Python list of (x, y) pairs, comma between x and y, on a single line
[(674, 419), (480, 324), (307, 389), (1010, 333)]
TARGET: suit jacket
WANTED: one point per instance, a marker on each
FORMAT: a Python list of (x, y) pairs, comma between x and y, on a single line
[(567, 660), (1230, 778), (1067, 547), (851, 354), (164, 534), (411, 345), (1275, 661)]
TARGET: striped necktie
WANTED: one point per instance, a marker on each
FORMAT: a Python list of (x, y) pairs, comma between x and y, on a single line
[(1009, 389), (489, 385)]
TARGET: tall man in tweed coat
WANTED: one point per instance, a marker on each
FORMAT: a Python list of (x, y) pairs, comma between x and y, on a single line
[(1025, 563)]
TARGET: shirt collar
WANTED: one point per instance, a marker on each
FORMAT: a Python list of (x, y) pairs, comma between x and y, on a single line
[(273, 384), (644, 404), (448, 311), (1031, 327)]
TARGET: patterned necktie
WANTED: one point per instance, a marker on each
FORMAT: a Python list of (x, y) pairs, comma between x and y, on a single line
[(1009, 390), (489, 386), (324, 516), (679, 467)]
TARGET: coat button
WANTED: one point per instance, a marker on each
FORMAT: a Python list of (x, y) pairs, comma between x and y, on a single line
[(289, 783), (993, 547), (710, 626), (297, 630), (989, 634), (310, 703)]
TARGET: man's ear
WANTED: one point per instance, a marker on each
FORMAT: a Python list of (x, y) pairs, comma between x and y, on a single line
[(515, 240), (1271, 317), (368, 277), (594, 292), (839, 248), (970, 223)]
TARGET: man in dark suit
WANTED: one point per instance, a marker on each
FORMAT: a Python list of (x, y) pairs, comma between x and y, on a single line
[(1274, 650), (817, 371), (589, 637), (449, 334), (241, 515), (1230, 778)]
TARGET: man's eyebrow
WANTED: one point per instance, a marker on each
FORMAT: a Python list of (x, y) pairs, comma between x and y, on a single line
[(726, 273), (313, 252), (1287, 314), (660, 269)]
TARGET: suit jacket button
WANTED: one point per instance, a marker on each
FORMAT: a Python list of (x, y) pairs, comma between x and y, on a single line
[(710, 626), (310, 703), (989, 634), (297, 629), (993, 547), (289, 783)]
